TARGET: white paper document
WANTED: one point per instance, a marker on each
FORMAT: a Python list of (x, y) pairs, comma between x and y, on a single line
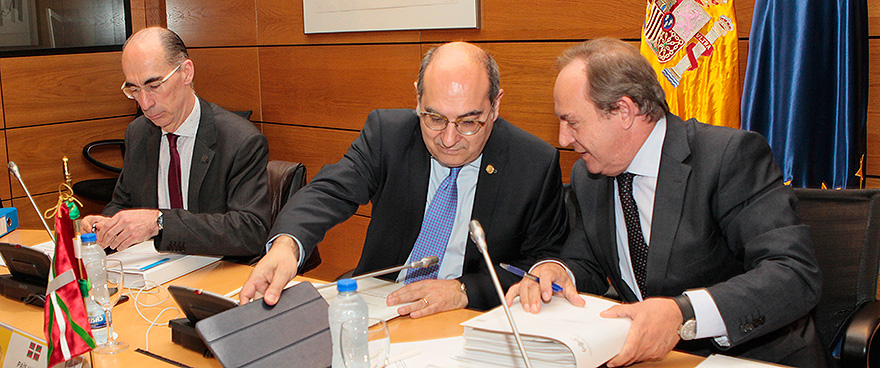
[(724, 361), (561, 335), (374, 291)]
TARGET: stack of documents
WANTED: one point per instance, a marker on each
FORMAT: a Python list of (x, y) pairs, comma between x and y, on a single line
[(142, 263), (561, 335)]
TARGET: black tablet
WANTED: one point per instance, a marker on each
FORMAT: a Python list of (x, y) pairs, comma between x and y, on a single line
[(25, 263), (198, 304)]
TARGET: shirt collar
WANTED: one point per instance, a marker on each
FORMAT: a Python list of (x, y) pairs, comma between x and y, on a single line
[(647, 160), (473, 164), (190, 126)]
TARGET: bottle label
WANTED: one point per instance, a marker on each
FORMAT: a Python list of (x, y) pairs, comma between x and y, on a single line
[(97, 321)]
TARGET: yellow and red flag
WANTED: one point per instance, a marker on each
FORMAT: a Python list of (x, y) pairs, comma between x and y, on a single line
[(66, 322), (693, 46)]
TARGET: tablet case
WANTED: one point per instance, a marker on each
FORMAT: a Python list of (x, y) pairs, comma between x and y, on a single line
[(294, 332), (197, 305), (28, 274)]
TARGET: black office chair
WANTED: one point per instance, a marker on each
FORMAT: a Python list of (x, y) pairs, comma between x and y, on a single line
[(285, 179), (100, 190), (845, 227)]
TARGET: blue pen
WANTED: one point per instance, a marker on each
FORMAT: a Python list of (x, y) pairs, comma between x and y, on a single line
[(516, 271), (154, 264)]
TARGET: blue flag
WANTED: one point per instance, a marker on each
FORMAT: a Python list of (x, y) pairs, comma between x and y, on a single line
[(806, 88)]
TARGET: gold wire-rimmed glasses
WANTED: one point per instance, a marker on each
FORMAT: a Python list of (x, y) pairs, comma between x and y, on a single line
[(151, 88), (437, 122)]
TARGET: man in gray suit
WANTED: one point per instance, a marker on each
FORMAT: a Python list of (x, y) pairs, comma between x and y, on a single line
[(194, 176), (501, 175), (691, 223)]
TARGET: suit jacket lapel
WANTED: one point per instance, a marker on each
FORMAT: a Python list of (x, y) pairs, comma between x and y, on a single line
[(489, 185), (203, 154), (418, 168), (668, 201), (152, 167)]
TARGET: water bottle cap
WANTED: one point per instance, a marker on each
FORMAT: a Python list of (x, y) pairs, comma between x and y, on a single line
[(88, 237), (346, 285)]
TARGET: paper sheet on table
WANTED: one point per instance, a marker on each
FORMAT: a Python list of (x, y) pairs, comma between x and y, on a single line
[(429, 353), (724, 361), (373, 290)]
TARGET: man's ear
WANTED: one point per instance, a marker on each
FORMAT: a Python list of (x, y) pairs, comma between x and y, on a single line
[(626, 111), (189, 71)]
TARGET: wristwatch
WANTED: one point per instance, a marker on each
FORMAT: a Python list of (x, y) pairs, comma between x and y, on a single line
[(688, 328), (160, 221)]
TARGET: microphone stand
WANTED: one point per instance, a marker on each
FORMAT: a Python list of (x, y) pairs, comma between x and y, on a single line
[(13, 168), (424, 262), (479, 237)]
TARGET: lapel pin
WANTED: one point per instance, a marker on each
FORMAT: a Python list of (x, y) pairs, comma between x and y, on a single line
[(490, 169), (204, 159)]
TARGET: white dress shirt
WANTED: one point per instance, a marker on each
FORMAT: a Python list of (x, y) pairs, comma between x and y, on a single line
[(185, 143)]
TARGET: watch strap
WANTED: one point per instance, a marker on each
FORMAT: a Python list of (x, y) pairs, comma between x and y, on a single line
[(687, 309)]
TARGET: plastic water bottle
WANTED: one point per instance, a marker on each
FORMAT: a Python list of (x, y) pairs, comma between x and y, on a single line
[(348, 305), (93, 259)]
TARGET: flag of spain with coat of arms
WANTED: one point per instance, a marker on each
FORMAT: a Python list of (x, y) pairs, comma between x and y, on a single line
[(693, 46)]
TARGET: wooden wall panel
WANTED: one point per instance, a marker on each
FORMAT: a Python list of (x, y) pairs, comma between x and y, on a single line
[(46, 89), (873, 161), (872, 183), (138, 15), (228, 77), (527, 78), (341, 248), (549, 20), (213, 22), (38, 151), (312, 147), (155, 14), (874, 18), (5, 193), (280, 22), (336, 86), (567, 160)]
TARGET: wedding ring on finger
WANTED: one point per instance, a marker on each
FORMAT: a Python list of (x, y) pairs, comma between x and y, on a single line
[(426, 302)]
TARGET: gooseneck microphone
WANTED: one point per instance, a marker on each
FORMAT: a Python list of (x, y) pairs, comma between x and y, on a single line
[(479, 237), (13, 168), (422, 263)]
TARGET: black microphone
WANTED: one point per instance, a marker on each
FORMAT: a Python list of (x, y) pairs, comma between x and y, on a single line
[(422, 263), (13, 168), (479, 237)]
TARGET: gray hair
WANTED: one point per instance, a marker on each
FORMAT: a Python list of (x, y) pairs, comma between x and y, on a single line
[(615, 69), (175, 49)]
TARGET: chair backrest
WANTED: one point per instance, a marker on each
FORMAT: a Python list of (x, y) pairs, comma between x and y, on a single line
[(285, 178), (845, 228), (87, 153)]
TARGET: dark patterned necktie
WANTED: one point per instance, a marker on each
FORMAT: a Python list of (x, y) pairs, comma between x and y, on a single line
[(436, 228), (174, 192), (638, 249)]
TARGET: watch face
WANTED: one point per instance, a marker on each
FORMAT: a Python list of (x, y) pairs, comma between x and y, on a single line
[(688, 330)]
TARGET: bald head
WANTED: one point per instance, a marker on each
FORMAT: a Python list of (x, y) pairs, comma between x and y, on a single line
[(458, 57), (158, 38)]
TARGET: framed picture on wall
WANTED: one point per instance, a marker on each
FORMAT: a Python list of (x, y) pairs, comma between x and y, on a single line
[(328, 16)]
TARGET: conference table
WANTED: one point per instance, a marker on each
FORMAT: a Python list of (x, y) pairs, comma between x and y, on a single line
[(220, 278)]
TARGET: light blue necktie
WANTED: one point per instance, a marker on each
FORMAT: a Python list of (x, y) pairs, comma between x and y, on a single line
[(436, 228)]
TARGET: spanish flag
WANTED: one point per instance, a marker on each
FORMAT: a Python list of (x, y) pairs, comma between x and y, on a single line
[(693, 46)]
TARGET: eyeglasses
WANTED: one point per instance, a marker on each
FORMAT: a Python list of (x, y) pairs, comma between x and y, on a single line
[(151, 88), (438, 122)]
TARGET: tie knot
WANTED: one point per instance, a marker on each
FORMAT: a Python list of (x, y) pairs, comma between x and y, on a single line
[(172, 139), (625, 180), (453, 172)]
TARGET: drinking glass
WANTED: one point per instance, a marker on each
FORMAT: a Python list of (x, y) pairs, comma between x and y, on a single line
[(378, 343), (107, 294)]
